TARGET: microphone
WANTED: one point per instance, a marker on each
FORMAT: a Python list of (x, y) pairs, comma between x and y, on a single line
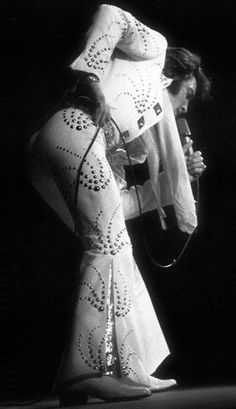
[(184, 133)]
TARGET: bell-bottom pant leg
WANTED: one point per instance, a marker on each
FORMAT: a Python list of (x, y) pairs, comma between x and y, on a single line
[(114, 327)]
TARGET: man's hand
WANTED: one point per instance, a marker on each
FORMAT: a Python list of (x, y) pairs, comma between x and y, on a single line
[(101, 112), (87, 90), (194, 160)]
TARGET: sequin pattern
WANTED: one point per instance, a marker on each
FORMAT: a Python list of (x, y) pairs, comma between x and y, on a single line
[(142, 94), (99, 52), (106, 241), (90, 348), (123, 301), (98, 56), (126, 357), (76, 119), (110, 345), (145, 32), (100, 354), (96, 298), (117, 28), (93, 177), (95, 174), (110, 135)]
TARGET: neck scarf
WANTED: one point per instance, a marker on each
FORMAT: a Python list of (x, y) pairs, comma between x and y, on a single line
[(164, 147)]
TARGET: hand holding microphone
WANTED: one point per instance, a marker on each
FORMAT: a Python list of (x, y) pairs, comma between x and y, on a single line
[(194, 160)]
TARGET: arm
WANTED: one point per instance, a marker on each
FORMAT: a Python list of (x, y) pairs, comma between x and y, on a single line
[(146, 196), (195, 167), (114, 28)]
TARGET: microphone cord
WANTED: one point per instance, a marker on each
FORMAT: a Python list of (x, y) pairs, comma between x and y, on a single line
[(77, 182)]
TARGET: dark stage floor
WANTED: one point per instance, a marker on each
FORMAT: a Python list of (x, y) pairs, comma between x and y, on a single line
[(220, 397)]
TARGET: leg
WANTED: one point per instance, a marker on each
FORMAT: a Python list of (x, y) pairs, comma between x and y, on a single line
[(114, 321)]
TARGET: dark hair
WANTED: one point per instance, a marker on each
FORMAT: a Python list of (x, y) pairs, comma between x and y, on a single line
[(181, 64)]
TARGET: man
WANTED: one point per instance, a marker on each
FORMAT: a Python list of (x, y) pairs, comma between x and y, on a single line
[(121, 98)]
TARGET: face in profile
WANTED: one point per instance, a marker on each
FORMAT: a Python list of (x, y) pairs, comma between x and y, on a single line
[(186, 93)]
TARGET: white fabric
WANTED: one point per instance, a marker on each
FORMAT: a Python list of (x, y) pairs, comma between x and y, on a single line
[(109, 277), (129, 57)]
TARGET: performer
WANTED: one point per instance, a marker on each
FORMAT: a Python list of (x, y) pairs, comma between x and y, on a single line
[(128, 87)]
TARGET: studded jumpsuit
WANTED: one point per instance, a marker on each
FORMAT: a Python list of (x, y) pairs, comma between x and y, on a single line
[(115, 329)]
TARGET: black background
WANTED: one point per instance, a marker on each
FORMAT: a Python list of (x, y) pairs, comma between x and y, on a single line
[(195, 300)]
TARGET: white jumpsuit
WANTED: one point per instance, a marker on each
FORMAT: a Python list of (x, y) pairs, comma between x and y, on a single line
[(115, 329)]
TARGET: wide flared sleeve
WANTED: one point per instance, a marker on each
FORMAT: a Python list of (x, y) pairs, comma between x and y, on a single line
[(113, 28)]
